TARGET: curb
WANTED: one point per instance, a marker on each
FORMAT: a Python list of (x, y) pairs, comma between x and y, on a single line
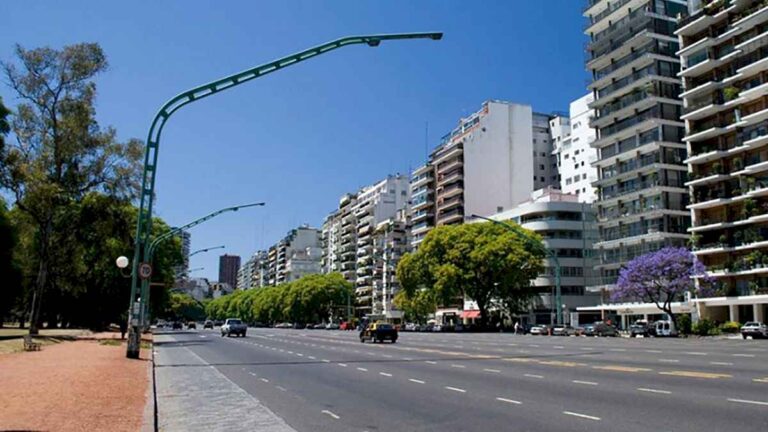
[(149, 419)]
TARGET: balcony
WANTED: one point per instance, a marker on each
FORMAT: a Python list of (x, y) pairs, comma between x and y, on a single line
[(693, 24), (447, 153), (601, 21), (452, 177)]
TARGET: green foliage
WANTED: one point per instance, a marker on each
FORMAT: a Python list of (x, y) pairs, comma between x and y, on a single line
[(484, 262), (182, 306), (705, 327), (730, 93), (10, 291), (730, 327), (416, 306), (684, 324), (313, 298)]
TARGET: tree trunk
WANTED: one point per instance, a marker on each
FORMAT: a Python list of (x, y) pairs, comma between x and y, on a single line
[(483, 314), (42, 278)]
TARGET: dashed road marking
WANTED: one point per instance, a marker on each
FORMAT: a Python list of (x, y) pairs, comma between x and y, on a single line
[(312, 357), (458, 366), (761, 380), (752, 402), (695, 374), (281, 388), (300, 354), (558, 347), (416, 381), (617, 349), (330, 414), (325, 361), (653, 351), (589, 417), (430, 362), (721, 363), (508, 401), (264, 380), (743, 355), (342, 364), (669, 360), (362, 369), (385, 374), (621, 368), (455, 389), (650, 390), (533, 376), (492, 370), (695, 353), (592, 383)]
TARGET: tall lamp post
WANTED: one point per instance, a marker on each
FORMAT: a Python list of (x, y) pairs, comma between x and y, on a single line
[(550, 254), (144, 221), (206, 250)]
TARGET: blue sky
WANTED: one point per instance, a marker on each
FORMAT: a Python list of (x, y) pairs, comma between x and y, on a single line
[(300, 138)]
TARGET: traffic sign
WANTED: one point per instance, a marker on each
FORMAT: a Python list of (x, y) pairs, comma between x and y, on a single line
[(145, 270)]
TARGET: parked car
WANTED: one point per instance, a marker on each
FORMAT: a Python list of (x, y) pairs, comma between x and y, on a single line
[(332, 326), (757, 330), (218, 323), (346, 325), (319, 326), (208, 324), (379, 332), (284, 325), (540, 330), (640, 328), (233, 326), (191, 325), (600, 329), (177, 325), (563, 330)]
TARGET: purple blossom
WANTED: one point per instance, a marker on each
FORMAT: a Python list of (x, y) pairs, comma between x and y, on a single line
[(659, 277)]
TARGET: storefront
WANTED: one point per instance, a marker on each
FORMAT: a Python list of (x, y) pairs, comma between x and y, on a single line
[(737, 308)]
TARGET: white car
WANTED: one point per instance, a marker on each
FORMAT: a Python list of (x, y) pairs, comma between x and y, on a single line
[(755, 329), (538, 330)]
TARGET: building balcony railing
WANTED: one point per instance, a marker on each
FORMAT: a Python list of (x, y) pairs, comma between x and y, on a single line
[(609, 10)]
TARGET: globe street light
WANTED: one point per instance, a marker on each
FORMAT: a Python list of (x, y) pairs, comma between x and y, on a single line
[(144, 220)]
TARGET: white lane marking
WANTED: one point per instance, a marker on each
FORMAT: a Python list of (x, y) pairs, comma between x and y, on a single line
[(592, 383), (416, 381), (532, 345), (492, 370), (508, 400), (558, 347), (281, 388), (289, 352), (455, 389), (511, 344), (586, 349), (252, 374), (407, 358), (650, 390), (312, 357), (362, 369), (617, 349), (533, 376), (342, 364), (264, 379), (721, 363), (282, 350), (458, 366), (695, 353), (743, 355), (326, 361), (653, 351), (385, 374), (753, 402), (387, 355), (330, 414), (430, 362), (571, 413), (669, 360), (300, 354)]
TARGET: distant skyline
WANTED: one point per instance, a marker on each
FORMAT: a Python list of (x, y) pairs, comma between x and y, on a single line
[(300, 138)]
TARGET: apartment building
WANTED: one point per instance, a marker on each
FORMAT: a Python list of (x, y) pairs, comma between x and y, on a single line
[(253, 272), (568, 230), (228, 267), (641, 194), (492, 160), (186, 241), (298, 254), (724, 54), (390, 242), (330, 242), (572, 138)]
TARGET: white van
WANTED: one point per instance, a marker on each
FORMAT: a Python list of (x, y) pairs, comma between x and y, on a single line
[(664, 328)]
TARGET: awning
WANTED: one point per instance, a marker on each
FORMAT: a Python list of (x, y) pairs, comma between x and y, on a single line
[(470, 314)]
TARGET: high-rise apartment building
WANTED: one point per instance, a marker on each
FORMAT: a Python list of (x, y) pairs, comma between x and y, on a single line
[(298, 254), (253, 272), (186, 241), (572, 138), (228, 267), (390, 242), (330, 242), (724, 54), (490, 162), (641, 194)]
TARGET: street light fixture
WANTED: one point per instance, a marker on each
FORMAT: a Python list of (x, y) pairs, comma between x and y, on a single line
[(144, 221), (206, 250), (550, 254)]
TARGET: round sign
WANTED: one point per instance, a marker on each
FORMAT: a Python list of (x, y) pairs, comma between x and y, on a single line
[(145, 270)]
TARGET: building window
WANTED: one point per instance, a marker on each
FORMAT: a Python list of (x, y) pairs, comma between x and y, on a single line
[(499, 209), (542, 178), (543, 154), (541, 166), (584, 176), (566, 156)]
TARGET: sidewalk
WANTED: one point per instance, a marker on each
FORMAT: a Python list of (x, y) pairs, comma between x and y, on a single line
[(194, 396), (73, 386)]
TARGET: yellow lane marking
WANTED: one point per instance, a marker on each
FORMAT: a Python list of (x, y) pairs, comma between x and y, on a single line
[(621, 368), (694, 374), (561, 363)]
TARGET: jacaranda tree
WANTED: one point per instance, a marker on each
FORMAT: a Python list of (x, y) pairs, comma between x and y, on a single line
[(662, 277)]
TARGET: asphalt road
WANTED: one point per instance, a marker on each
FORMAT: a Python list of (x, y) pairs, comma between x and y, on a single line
[(318, 380)]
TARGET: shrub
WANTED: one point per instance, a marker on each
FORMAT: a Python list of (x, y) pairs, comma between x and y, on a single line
[(730, 93), (684, 324), (705, 327), (730, 327)]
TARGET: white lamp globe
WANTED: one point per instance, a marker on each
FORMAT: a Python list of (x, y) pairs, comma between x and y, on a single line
[(121, 262)]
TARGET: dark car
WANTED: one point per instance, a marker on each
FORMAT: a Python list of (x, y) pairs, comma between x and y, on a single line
[(636, 330), (192, 325), (176, 325), (379, 332), (600, 329)]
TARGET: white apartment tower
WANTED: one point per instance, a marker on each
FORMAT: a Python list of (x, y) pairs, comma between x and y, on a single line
[(572, 139)]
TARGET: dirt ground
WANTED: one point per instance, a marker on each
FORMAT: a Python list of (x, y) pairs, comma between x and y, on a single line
[(83, 385)]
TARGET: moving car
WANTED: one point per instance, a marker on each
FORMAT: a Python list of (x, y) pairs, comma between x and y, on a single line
[(600, 329), (755, 329), (563, 330), (176, 325), (233, 326), (379, 332), (208, 324), (191, 325)]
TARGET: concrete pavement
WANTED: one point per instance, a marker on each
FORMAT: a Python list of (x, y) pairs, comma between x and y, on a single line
[(320, 380)]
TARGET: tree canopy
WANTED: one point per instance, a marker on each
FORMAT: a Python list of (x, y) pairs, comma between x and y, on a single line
[(312, 298), (485, 262), (660, 277)]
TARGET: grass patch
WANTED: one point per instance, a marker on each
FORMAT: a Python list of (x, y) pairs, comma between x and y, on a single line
[(17, 345), (146, 345), (43, 332), (111, 342)]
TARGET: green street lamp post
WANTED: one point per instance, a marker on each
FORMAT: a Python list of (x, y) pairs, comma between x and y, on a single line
[(206, 250), (144, 220), (550, 254)]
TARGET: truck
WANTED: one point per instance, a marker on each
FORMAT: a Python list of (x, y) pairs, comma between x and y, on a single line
[(233, 326)]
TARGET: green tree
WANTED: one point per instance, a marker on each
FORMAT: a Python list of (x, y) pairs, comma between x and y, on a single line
[(483, 262), (11, 289), (416, 306), (60, 153)]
